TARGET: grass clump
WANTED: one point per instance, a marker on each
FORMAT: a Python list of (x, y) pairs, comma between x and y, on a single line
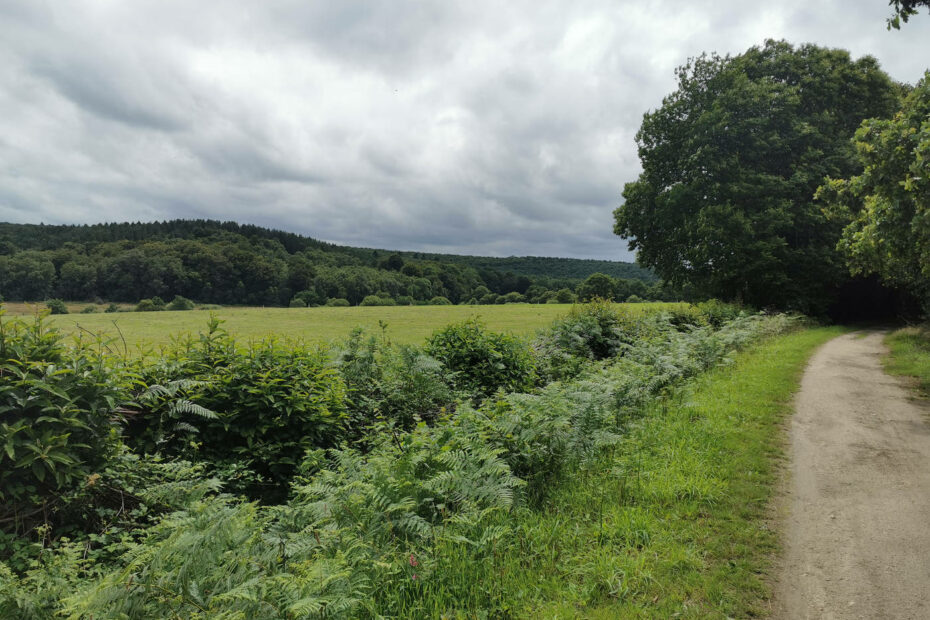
[(910, 355)]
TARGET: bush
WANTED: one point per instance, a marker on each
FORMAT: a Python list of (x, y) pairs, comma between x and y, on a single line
[(338, 302), (400, 384), (685, 316), (483, 361), (374, 300), (512, 298), (89, 310), (57, 406), (593, 331), (56, 306), (297, 303), (179, 303), (717, 312), (404, 300), (112, 308), (147, 305), (565, 296), (272, 403), (634, 299), (439, 301)]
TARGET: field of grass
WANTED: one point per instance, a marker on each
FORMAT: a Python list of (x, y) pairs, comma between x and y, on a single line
[(405, 324), (675, 524), (910, 355)]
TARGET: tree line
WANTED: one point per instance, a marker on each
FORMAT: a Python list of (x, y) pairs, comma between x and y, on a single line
[(228, 263)]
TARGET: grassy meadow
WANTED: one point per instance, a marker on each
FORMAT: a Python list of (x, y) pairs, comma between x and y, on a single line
[(404, 324)]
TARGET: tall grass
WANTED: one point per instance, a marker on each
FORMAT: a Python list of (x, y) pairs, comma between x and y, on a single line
[(910, 355)]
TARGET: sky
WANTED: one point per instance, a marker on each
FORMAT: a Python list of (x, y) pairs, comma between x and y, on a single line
[(472, 127)]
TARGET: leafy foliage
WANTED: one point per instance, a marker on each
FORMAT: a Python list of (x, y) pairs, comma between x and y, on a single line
[(731, 161), (56, 407), (483, 361), (889, 203), (273, 402)]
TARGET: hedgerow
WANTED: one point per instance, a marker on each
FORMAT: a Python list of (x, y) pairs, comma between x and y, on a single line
[(383, 527)]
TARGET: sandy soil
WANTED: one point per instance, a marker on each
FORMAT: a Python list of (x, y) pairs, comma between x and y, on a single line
[(856, 512)]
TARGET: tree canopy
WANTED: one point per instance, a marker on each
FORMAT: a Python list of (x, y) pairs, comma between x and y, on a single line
[(731, 161), (889, 203)]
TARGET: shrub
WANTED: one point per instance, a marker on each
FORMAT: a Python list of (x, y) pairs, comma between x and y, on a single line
[(337, 302), (404, 300), (273, 402), (440, 301), (401, 384), (56, 306), (158, 302), (482, 361), (296, 302), (179, 303), (512, 297), (112, 308), (565, 296), (593, 331), (685, 316), (57, 406), (146, 305), (374, 300), (89, 310), (634, 299), (717, 313)]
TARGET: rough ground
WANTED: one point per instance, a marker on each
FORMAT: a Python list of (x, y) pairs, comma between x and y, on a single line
[(856, 522)]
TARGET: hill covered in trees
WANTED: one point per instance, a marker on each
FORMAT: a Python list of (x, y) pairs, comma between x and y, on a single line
[(230, 263)]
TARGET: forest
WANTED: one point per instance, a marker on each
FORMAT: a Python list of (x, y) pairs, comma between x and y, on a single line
[(227, 263)]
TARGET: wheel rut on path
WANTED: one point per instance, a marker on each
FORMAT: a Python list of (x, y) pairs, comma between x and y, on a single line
[(855, 515)]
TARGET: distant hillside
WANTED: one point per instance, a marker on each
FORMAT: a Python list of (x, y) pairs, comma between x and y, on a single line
[(231, 263), (568, 268)]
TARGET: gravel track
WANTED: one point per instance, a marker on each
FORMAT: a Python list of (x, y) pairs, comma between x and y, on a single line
[(855, 515)]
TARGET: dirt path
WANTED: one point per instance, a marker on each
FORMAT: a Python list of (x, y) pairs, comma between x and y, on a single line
[(856, 516)]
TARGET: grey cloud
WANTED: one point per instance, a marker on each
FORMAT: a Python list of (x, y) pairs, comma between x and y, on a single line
[(472, 127)]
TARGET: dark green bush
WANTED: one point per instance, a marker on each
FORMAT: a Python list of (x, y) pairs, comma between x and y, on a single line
[(374, 300), (56, 306), (56, 407), (112, 308), (89, 310), (338, 302), (400, 384), (296, 302), (439, 301), (595, 330), (146, 305), (483, 361), (717, 312), (179, 303), (273, 402)]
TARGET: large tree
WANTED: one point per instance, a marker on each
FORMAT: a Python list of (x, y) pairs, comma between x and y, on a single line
[(890, 233), (731, 161)]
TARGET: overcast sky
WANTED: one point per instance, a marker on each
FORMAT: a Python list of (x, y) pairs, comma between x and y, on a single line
[(496, 128)]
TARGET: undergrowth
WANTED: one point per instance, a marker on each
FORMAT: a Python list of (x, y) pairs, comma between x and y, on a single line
[(453, 505)]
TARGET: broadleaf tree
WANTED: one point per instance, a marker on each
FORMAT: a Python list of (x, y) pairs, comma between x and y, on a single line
[(731, 161), (889, 203)]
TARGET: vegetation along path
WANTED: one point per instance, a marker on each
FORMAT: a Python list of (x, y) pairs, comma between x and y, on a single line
[(856, 536)]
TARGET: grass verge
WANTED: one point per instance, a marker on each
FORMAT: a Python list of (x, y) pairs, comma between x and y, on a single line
[(673, 524), (910, 355)]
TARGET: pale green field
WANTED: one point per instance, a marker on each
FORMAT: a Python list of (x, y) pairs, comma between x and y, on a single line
[(405, 324)]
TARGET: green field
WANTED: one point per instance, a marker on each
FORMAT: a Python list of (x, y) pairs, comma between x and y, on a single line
[(405, 324)]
